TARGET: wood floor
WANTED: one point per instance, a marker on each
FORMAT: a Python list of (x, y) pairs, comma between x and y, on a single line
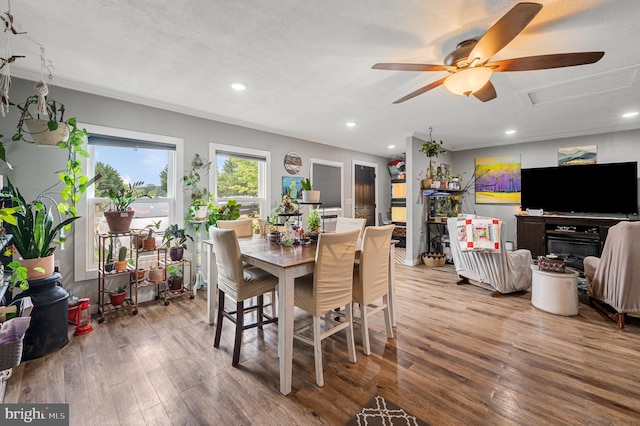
[(460, 357)]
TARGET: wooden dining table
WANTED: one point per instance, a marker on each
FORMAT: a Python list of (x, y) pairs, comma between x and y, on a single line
[(286, 263)]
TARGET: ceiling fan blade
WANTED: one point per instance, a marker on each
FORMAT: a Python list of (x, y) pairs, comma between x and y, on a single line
[(408, 67), (503, 31), (542, 62), (421, 90), (487, 93)]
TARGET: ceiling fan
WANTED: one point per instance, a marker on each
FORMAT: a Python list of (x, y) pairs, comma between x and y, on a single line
[(469, 66)]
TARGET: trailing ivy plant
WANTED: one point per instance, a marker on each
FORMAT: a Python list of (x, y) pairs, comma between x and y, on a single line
[(75, 182)]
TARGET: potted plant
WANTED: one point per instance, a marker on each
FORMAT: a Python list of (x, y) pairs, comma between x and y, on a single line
[(121, 263), (176, 279), (431, 149), (119, 213), (308, 194), (272, 223), (45, 129), (35, 235), (108, 259), (156, 274), (313, 224), (149, 241), (200, 198), (19, 275), (176, 239), (136, 274), (118, 295), (228, 211)]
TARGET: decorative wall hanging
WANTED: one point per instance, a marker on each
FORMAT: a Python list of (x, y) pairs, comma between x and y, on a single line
[(293, 186), (498, 180), (577, 155), (5, 62), (292, 163)]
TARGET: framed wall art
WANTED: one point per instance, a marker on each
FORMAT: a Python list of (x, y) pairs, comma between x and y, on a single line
[(292, 185), (577, 155), (498, 179), (292, 163)]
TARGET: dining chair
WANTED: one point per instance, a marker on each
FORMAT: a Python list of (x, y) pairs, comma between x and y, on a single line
[(239, 283), (371, 279), (348, 223), (262, 225), (329, 287), (243, 227)]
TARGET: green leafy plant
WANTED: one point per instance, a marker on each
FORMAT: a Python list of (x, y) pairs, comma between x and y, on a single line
[(306, 184), (54, 116), (228, 211), (191, 182), (432, 148), (117, 290), (121, 199), (19, 275), (150, 228), (313, 220), (34, 233), (75, 182), (175, 236), (175, 271)]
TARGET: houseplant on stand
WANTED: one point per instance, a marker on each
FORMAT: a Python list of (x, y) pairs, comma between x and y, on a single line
[(431, 149), (313, 224), (119, 213), (175, 239), (176, 279), (118, 295), (308, 194)]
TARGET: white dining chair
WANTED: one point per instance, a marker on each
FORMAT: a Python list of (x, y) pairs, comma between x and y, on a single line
[(371, 279), (329, 287), (243, 227), (239, 283)]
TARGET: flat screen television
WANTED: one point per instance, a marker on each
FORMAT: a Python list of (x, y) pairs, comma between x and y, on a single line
[(590, 188)]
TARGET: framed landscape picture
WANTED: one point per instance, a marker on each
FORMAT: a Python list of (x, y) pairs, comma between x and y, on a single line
[(577, 155), (498, 179)]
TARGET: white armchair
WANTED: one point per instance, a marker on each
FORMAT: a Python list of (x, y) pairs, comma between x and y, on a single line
[(498, 269)]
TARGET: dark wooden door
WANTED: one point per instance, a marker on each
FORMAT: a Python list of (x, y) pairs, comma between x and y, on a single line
[(365, 193)]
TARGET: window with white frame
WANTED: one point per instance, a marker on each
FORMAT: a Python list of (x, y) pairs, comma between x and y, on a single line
[(240, 174), (123, 157)]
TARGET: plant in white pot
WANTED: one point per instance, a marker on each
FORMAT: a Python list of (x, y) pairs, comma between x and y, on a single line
[(309, 195), (45, 129)]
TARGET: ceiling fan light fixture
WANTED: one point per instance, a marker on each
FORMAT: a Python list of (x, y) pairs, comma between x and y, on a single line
[(468, 80)]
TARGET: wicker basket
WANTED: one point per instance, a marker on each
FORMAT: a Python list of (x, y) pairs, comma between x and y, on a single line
[(435, 260), (10, 354)]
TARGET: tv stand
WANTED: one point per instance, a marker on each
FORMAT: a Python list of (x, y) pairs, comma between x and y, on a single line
[(537, 233)]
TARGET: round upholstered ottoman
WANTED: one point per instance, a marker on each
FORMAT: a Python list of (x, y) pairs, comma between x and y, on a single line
[(555, 292)]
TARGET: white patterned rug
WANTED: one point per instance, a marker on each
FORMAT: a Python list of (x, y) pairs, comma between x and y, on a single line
[(381, 412)]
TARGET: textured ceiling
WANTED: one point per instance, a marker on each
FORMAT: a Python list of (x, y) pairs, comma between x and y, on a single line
[(308, 65)]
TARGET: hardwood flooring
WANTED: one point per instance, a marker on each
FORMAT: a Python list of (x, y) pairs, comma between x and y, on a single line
[(460, 357)]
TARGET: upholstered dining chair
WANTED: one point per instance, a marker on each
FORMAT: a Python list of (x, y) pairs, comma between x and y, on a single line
[(243, 227), (371, 279), (328, 288), (613, 279), (348, 223), (239, 283), (262, 225)]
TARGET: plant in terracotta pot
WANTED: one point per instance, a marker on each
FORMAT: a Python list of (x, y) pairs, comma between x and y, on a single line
[(35, 235), (121, 263), (175, 239), (156, 274), (119, 213), (149, 241), (136, 274)]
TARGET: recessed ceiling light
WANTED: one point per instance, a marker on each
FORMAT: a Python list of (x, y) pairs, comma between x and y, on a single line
[(630, 114), (510, 132), (238, 85), (351, 124), (391, 146)]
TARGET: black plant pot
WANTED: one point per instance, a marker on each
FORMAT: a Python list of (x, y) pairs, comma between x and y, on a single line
[(48, 329)]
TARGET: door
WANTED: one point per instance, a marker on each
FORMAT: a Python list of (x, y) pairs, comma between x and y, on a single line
[(365, 193)]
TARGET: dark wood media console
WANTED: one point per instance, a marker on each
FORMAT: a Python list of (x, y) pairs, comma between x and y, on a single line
[(536, 233)]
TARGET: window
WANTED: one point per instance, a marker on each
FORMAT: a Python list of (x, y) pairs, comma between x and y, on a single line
[(327, 178), (123, 157), (240, 174)]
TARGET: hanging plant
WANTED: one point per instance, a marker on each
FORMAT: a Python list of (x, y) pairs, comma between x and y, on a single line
[(432, 148)]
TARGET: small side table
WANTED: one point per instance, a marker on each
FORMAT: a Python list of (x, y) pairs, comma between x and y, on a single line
[(199, 280), (555, 292)]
